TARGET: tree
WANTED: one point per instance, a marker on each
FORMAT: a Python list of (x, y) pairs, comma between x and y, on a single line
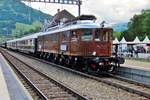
[(139, 26), (25, 29)]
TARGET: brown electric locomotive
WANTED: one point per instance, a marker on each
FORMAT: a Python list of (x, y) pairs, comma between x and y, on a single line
[(82, 44)]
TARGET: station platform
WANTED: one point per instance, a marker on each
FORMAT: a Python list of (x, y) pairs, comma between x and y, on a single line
[(11, 87), (136, 64)]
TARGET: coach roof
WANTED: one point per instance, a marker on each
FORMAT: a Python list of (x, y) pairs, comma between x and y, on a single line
[(32, 36)]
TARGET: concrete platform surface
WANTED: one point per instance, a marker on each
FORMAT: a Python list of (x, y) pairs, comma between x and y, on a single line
[(11, 87), (135, 64), (4, 95)]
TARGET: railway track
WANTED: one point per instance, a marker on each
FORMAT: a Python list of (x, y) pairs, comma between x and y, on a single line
[(119, 82), (45, 88), (113, 80)]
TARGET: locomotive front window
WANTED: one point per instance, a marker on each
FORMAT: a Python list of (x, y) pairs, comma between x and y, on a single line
[(86, 35), (106, 36)]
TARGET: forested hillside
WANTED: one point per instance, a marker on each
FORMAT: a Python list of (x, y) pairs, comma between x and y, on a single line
[(14, 13)]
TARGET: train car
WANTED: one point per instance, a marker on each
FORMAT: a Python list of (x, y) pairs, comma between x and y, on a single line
[(3, 44), (12, 44), (28, 44), (83, 43)]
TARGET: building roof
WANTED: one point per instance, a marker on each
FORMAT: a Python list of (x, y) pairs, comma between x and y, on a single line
[(63, 15)]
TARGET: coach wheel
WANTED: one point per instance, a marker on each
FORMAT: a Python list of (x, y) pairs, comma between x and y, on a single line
[(41, 54)]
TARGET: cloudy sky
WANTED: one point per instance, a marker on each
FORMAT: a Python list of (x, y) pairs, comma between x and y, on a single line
[(112, 11)]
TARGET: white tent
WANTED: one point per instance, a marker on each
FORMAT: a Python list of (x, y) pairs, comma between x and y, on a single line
[(123, 41), (115, 41), (136, 40), (146, 40), (122, 46)]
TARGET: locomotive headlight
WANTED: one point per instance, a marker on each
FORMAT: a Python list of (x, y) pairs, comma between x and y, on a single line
[(94, 53), (76, 58), (100, 63)]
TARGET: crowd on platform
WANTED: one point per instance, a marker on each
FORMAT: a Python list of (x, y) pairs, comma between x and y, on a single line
[(136, 48)]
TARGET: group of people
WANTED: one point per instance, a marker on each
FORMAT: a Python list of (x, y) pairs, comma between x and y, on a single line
[(131, 51)]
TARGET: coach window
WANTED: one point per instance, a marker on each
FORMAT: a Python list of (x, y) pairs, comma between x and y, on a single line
[(31, 42), (74, 36), (86, 35), (97, 35), (105, 36)]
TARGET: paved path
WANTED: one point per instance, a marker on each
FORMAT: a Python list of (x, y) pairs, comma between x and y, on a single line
[(137, 64), (10, 86), (4, 94)]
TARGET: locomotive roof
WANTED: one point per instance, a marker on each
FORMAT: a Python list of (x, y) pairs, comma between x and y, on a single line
[(86, 24)]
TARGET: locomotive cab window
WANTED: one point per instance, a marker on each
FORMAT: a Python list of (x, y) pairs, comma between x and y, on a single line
[(97, 35), (86, 35), (73, 36)]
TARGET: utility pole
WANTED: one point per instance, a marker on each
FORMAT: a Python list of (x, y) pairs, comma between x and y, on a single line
[(79, 7)]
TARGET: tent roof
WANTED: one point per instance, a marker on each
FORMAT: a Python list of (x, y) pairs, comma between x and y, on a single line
[(123, 41), (116, 41), (136, 40), (146, 40)]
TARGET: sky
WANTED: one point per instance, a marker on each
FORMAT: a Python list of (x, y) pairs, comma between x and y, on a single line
[(112, 11)]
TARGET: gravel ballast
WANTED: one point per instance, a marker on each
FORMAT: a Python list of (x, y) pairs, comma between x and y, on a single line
[(91, 88)]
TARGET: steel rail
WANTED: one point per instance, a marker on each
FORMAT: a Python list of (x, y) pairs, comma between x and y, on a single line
[(131, 90), (70, 90), (40, 94)]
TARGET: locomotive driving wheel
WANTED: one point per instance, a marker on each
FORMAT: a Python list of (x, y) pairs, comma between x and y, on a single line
[(111, 69)]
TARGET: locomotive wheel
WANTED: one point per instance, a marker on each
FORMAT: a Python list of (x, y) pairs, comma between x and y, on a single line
[(67, 62), (111, 69), (61, 61)]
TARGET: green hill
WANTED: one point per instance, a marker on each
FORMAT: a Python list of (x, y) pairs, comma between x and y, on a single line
[(14, 11)]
